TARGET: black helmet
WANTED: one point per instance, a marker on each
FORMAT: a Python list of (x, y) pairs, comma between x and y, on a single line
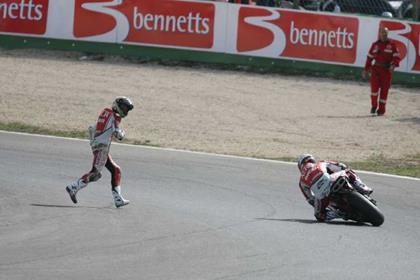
[(122, 105)]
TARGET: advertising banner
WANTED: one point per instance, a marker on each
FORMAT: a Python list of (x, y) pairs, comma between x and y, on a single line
[(315, 36), (23, 16), (331, 38), (407, 37), (286, 33), (165, 22)]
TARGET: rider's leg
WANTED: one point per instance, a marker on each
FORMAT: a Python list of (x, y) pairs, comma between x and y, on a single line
[(357, 183), (99, 159), (116, 182)]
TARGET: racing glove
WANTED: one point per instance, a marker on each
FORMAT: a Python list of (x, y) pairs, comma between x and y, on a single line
[(119, 134)]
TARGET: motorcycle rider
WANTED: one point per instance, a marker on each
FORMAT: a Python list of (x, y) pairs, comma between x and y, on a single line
[(316, 180), (101, 136)]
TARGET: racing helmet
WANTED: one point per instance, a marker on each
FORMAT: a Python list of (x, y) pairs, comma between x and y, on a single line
[(122, 105), (302, 159)]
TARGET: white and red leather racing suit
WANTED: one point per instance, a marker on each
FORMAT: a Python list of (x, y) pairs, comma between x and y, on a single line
[(315, 183), (101, 135)]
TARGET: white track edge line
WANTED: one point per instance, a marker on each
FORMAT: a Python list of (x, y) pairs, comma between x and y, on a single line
[(204, 153)]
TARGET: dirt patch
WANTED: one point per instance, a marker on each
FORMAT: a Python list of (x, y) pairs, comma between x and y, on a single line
[(259, 115)]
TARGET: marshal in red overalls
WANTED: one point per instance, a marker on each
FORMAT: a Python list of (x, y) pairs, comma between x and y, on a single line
[(382, 59)]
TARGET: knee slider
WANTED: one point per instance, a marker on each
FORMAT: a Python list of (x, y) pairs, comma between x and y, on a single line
[(95, 176)]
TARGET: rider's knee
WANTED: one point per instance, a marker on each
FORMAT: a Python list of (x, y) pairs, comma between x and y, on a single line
[(95, 175)]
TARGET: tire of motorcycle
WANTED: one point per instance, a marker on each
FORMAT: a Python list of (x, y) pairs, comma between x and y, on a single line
[(367, 210)]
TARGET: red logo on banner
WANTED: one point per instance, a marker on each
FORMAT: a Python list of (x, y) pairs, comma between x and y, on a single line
[(164, 22), (407, 38), (89, 22), (250, 36), (23, 16), (308, 36)]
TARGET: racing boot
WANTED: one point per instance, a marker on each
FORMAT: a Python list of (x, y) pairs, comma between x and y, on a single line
[(331, 215), (362, 188), (74, 187), (373, 110), (118, 199), (327, 215)]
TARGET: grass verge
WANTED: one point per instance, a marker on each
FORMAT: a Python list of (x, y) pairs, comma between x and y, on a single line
[(408, 166), (81, 134), (21, 127)]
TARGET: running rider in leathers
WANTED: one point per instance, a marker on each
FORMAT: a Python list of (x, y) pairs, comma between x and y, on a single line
[(315, 183), (101, 135)]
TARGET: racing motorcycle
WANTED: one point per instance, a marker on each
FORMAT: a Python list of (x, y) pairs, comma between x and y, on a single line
[(353, 205)]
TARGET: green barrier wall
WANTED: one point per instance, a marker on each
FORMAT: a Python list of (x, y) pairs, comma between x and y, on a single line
[(221, 60)]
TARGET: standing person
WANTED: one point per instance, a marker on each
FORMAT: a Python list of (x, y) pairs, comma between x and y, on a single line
[(101, 135), (385, 57)]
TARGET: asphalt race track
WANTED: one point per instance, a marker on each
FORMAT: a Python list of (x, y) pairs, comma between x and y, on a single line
[(192, 216)]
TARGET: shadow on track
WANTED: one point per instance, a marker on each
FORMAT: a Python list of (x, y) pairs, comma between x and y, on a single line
[(414, 120), (66, 206), (306, 221), (349, 117)]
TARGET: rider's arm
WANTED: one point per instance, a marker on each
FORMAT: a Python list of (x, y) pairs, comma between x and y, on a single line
[(335, 166), (118, 133), (306, 191)]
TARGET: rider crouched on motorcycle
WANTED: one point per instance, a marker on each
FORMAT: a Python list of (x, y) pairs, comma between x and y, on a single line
[(316, 180)]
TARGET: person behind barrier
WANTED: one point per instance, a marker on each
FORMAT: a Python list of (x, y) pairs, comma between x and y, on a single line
[(330, 6)]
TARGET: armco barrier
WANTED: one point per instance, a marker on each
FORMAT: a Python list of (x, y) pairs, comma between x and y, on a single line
[(229, 61)]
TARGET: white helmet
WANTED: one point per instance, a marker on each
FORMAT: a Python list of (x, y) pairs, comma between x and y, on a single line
[(302, 159), (122, 105)]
